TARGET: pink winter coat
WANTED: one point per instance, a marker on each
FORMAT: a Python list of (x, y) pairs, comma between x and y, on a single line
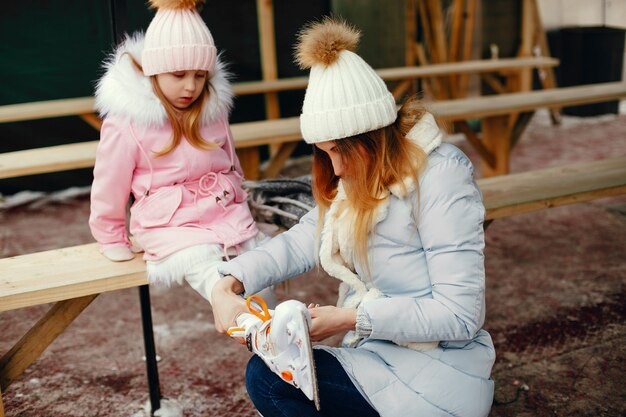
[(185, 198)]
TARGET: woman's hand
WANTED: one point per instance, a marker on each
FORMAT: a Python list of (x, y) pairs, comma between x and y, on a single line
[(227, 304), (330, 320)]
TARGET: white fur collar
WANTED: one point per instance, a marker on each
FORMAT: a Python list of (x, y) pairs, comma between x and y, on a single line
[(336, 247), (125, 91), (427, 135)]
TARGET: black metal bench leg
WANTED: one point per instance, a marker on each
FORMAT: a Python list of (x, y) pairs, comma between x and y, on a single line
[(148, 339)]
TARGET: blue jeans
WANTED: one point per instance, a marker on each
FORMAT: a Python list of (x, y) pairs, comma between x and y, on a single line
[(274, 397)]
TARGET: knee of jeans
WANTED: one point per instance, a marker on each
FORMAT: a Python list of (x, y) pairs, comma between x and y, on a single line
[(257, 375)]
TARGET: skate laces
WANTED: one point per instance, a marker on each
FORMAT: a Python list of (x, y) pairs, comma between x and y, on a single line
[(259, 310), (246, 322), (263, 313)]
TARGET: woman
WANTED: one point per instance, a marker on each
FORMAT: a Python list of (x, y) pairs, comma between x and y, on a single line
[(399, 222)]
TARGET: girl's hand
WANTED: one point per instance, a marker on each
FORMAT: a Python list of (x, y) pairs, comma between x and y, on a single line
[(330, 320), (226, 302)]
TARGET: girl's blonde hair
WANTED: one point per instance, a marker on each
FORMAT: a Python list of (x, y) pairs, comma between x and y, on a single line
[(372, 162), (184, 123)]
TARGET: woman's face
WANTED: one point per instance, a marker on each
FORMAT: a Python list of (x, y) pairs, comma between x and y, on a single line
[(335, 158), (181, 88)]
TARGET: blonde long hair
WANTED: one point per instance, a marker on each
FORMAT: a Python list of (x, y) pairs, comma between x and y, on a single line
[(184, 123), (373, 161)]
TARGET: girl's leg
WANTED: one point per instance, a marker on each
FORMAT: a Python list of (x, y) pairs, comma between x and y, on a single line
[(203, 276), (338, 395)]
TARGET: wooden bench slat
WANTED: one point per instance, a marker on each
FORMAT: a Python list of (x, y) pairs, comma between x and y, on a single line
[(513, 194), (466, 67), (45, 109), (476, 107), (265, 132), (48, 159), (274, 86), (62, 274), (403, 73), (85, 105)]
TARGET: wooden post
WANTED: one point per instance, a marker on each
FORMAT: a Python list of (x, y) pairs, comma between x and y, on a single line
[(427, 19), (430, 85), (439, 46), (496, 134), (39, 337), (279, 158), (411, 32), (526, 47), (267, 43), (92, 119), (249, 158), (467, 45), (455, 34), (548, 79), (438, 31), (269, 70), (546, 75), (485, 154), (521, 80), (411, 38), (1, 405)]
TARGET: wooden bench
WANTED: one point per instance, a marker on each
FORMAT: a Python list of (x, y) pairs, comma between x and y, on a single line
[(494, 147), (72, 277), (525, 192), (250, 136)]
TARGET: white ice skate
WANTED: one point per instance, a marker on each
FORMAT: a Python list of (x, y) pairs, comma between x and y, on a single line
[(281, 338)]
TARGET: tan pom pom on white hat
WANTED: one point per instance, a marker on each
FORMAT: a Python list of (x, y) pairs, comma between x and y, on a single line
[(345, 96)]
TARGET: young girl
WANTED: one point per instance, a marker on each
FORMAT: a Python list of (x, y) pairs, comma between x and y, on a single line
[(166, 140), (399, 222)]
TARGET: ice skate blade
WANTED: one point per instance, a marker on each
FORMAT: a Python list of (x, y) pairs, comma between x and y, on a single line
[(309, 347)]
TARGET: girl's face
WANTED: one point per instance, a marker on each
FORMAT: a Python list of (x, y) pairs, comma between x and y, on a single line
[(181, 88), (335, 158)]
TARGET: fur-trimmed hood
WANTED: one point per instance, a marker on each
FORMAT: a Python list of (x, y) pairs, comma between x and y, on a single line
[(125, 91)]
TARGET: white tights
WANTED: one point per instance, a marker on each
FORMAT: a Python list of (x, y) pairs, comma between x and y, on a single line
[(198, 266)]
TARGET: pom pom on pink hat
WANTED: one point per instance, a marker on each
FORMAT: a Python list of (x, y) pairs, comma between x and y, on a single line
[(177, 39)]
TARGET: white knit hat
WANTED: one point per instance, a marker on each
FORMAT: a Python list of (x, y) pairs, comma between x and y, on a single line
[(177, 39), (345, 96)]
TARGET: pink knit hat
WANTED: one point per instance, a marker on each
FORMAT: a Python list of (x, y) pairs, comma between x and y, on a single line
[(177, 39)]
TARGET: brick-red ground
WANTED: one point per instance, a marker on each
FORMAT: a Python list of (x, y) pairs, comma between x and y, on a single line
[(556, 306)]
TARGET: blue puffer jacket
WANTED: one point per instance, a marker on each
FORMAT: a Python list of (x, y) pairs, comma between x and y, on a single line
[(427, 285)]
